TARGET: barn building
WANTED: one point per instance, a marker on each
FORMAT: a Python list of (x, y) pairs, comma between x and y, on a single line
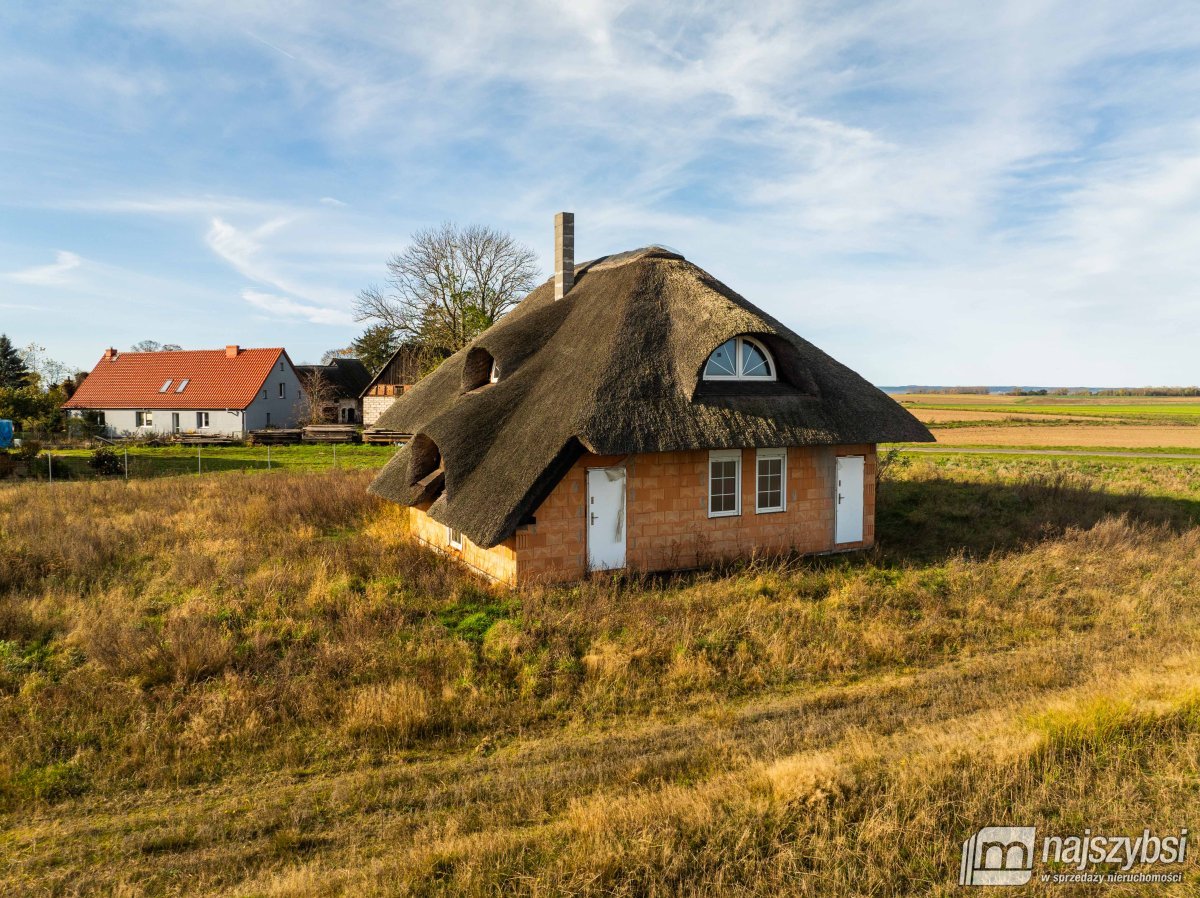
[(635, 413), (394, 379)]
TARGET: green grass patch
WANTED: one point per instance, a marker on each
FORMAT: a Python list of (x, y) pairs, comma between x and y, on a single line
[(159, 461)]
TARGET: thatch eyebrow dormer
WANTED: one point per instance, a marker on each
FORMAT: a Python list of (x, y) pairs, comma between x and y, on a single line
[(615, 367), (479, 369)]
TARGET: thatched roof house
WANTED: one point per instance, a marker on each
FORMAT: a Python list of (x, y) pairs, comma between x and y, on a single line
[(335, 388), (645, 356)]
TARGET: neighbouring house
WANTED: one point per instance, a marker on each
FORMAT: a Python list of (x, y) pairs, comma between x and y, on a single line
[(402, 370), (636, 413), (229, 391), (337, 388)]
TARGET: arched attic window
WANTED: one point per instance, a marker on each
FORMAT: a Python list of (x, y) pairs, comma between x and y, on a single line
[(740, 358), (479, 370)]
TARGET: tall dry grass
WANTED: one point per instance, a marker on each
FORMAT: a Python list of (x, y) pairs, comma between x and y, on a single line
[(255, 684)]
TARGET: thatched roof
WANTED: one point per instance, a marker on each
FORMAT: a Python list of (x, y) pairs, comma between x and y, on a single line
[(612, 368), (346, 376)]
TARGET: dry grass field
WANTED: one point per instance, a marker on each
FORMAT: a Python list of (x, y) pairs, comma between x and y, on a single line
[(1117, 422), (250, 684)]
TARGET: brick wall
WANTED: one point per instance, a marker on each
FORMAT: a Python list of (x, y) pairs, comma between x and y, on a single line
[(499, 562), (667, 520), (667, 513), (374, 406)]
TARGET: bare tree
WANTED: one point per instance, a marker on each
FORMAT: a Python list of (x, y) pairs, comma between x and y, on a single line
[(154, 346), (450, 285), (316, 398)]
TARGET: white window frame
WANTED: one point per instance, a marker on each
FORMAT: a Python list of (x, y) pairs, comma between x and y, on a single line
[(734, 455), (202, 420), (144, 418), (737, 357), (761, 455), (450, 538), (182, 385), (166, 385), (282, 390)]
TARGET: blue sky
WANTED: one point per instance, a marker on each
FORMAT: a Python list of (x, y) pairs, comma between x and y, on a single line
[(932, 192)]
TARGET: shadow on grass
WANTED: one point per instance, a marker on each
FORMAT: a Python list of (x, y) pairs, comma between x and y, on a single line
[(930, 520), (927, 520)]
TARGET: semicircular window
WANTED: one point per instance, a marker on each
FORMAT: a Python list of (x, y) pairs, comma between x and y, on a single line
[(740, 358)]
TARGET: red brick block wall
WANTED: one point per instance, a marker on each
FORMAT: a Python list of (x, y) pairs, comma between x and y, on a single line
[(667, 514)]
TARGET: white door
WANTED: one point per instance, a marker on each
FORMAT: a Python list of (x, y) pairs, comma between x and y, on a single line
[(606, 518), (849, 516)]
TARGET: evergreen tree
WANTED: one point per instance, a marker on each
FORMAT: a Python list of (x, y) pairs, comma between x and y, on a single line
[(14, 373), (375, 346)]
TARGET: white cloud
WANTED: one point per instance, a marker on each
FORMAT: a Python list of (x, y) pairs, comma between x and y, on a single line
[(283, 307), (974, 167), (48, 275)]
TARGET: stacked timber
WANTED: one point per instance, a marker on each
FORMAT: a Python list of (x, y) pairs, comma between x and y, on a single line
[(330, 433), (276, 436), (202, 439), (387, 437)]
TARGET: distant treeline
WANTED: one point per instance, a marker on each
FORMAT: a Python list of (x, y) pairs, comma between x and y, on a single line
[(1115, 391), (947, 391), (1150, 391)]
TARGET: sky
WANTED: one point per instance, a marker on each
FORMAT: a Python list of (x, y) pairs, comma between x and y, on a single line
[(932, 192)]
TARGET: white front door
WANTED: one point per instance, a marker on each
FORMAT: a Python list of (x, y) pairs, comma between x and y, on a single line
[(849, 515), (606, 518)]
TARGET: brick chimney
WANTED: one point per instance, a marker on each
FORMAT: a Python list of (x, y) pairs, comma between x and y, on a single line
[(564, 253), (110, 354), (232, 351)]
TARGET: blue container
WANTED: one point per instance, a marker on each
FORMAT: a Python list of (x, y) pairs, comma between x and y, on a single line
[(6, 432)]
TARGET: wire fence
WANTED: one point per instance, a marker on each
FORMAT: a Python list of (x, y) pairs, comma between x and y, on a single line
[(137, 463)]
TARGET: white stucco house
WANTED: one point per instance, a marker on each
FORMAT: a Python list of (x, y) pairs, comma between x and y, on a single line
[(229, 391)]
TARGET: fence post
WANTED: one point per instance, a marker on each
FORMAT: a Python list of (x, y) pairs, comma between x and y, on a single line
[(198, 471), (268, 456), (335, 455), (126, 464), (50, 466)]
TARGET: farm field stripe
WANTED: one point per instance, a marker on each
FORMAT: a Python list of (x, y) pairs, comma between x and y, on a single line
[(1086, 453)]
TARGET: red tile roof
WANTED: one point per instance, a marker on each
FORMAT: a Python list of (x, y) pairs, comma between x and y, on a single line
[(216, 379)]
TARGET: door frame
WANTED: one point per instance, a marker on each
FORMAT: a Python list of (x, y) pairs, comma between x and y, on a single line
[(862, 524), (587, 520)]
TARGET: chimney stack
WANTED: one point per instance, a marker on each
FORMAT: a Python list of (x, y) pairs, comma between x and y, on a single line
[(564, 253), (110, 354), (231, 351)]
